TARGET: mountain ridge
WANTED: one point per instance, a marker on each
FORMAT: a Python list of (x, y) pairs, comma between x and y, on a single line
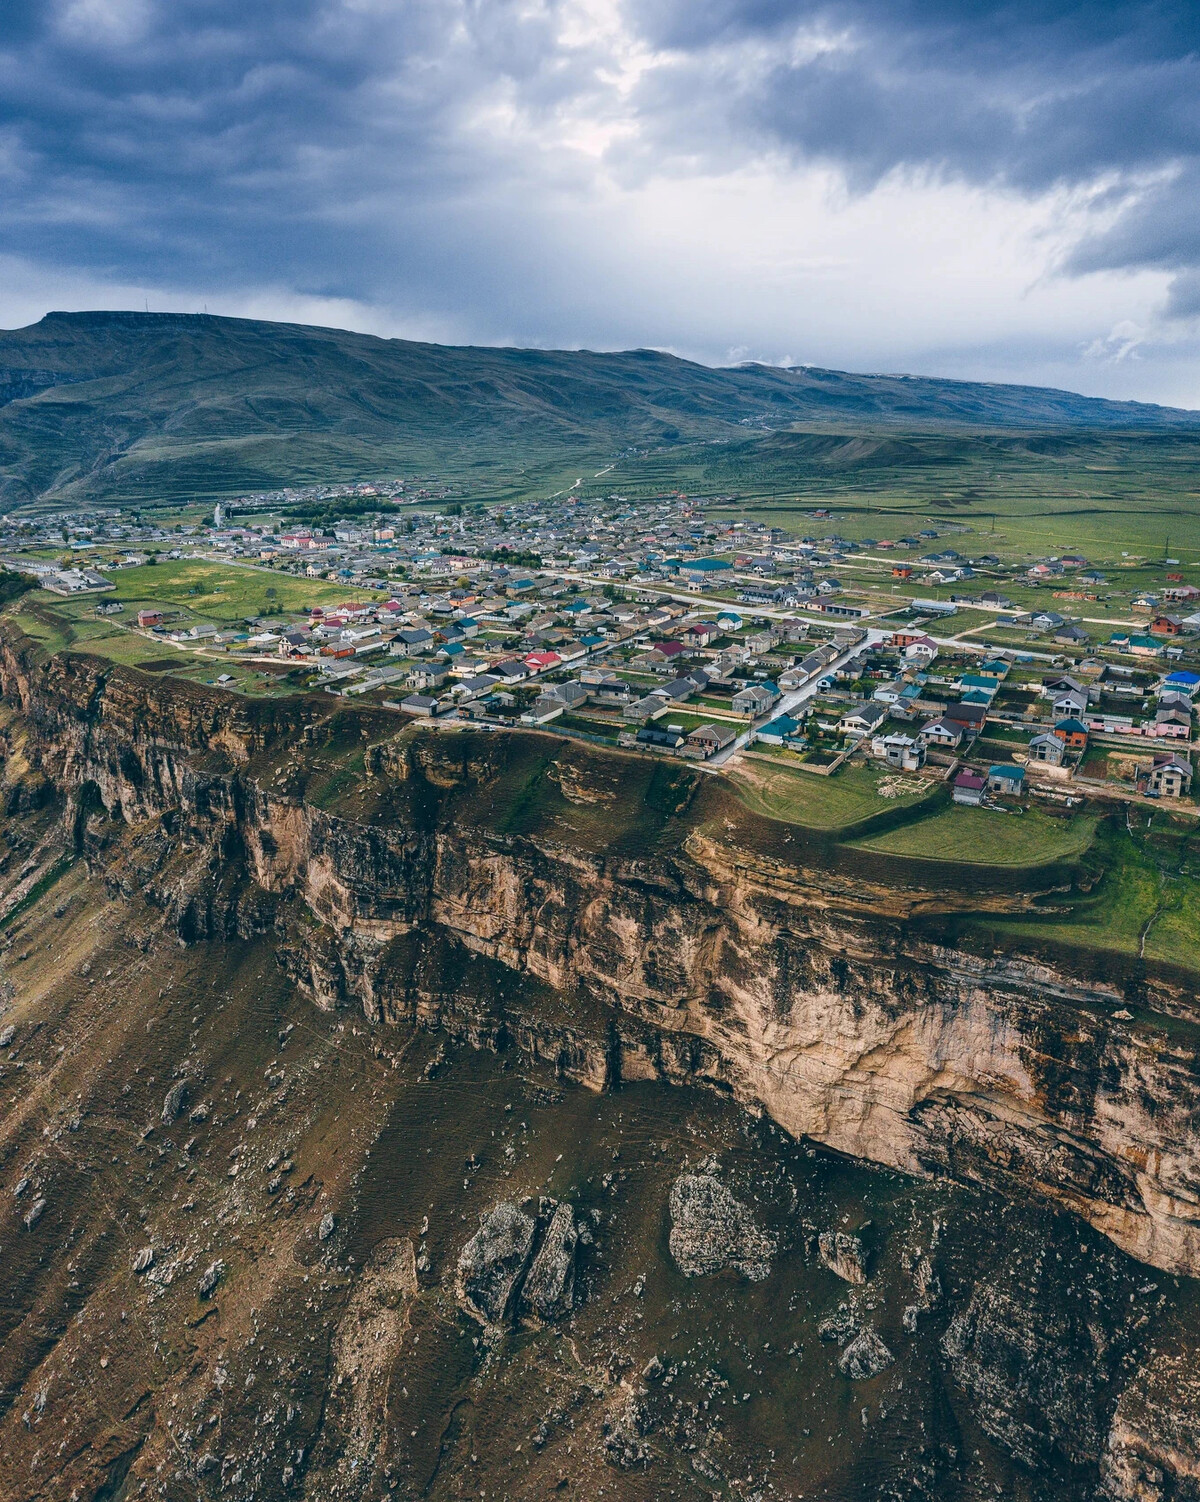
[(110, 405)]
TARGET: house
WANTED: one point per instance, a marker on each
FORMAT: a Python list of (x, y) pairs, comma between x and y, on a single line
[(148, 619), (1144, 646), (969, 716), (699, 633), (1047, 749), (419, 704), (294, 644), (410, 643), (661, 658), (428, 676), (902, 571), (1073, 733), (1071, 704), (755, 699), (729, 620), (779, 731), (994, 667), (643, 708), (968, 788), (1172, 721), (570, 695), (1071, 636), (900, 751), (942, 732), (511, 670), (1138, 646), (473, 688), (1169, 775), (540, 662), (613, 691), (920, 649), (1182, 681), (1052, 687), (1181, 592), (668, 740), (863, 719), (1166, 625), (1007, 780), (709, 739)]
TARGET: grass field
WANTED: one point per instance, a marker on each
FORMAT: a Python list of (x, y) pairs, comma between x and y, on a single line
[(1013, 495), (200, 591), (985, 837), (1147, 903), (814, 801), (221, 592)]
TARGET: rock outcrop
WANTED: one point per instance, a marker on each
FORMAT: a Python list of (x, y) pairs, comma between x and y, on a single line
[(844, 1255), (1042, 1354), (549, 1290), (1153, 1450), (865, 1357), (494, 1261), (712, 1230)]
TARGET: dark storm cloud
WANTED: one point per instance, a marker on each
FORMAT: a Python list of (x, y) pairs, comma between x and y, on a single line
[(336, 145), (211, 142)]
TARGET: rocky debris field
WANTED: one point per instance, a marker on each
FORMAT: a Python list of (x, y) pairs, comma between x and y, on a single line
[(254, 1249)]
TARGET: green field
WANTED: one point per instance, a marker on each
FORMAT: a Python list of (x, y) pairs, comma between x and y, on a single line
[(1018, 496), (1148, 902), (817, 802), (987, 837), (220, 592)]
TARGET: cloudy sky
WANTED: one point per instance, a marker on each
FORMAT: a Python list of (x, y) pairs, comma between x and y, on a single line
[(1006, 191)]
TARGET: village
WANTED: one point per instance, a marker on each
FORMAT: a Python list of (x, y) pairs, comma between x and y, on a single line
[(663, 628)]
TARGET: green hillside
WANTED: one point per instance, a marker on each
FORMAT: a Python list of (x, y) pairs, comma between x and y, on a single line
[(130, 405)]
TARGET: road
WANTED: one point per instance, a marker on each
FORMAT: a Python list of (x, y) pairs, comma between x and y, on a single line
[(793, 699)]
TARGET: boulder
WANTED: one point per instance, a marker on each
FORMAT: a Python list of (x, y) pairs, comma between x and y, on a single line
[(327, 1226), (143, 1259), (624, 1444), (927, 1283), (866, 1356), (549, 1290), (711, 1230), (209, 1279), (174, 1102), (493, 1262), (839, 1326), (844, 1255)]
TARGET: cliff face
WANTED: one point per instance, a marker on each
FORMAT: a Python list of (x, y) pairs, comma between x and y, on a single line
[(513, 888)]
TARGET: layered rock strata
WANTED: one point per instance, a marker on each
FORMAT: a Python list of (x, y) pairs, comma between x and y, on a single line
[(807, 987)]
